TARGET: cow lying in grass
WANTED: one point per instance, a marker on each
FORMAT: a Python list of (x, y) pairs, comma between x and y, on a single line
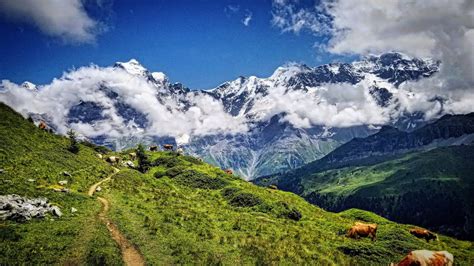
[(363, 230), (423, 233), (426, 258)]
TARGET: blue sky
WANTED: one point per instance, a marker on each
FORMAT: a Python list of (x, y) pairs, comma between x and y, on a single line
[(198, 43)]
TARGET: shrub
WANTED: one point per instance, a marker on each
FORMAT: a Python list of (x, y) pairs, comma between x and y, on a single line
[(193, 160), (160, 173), (168, 161), (175, 171), (289, 212), (294, 214), (229, 192), (143, 160), (196, 179), (74, 145), (245, 200)]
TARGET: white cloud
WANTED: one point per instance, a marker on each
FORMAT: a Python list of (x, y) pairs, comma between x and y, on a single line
[(229, 10), (440, 29), (334, 105), (247, 18), (205, 116), (289, 18), (64, 19)]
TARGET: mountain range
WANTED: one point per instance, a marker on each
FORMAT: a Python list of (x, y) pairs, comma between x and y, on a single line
[(278, 135)]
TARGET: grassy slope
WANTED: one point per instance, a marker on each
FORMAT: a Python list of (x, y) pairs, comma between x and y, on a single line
[(172, 221), (29, 153), (438, 183), (177, 220)]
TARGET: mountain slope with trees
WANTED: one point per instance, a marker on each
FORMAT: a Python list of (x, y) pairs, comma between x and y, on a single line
[(410, 177)]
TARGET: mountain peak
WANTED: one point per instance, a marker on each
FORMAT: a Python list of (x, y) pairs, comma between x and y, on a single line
[(289, 70), (29, 86), (133, 67)]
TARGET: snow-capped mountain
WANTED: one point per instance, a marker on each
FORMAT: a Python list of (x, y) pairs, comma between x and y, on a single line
[(255, 126)]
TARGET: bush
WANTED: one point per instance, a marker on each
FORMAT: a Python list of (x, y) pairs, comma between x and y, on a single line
[(245, 200), (289, 212), (74, 145), (168, 162), (229, 192), (294, 214), (193, 160), (160, 173), (175, 171), (143, 161), (196, 179)]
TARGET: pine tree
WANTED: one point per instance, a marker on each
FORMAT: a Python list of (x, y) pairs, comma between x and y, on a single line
[(74, 145), (143, 160)]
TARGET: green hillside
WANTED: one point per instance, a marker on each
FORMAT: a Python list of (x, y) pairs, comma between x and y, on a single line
[(182, 211), (434, 189), (26, 154)]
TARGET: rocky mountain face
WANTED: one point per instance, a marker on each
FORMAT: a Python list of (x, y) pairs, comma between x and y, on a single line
[(272, 144), (275, 145)]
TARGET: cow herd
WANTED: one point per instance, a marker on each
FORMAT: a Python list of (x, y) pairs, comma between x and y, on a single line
[(133, 155), (416, 257)]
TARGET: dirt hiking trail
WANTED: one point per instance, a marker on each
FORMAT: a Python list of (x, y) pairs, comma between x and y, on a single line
[(130, 255)]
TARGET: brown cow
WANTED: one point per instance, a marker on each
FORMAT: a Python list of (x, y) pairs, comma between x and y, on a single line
[(363, 230), (113, 159), (423, 233), (168, 147), (154, 148), (42, 125), (228, 171), (426, 258)]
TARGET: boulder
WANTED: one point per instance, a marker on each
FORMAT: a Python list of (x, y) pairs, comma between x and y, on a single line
[(56, 211), (63, 182), (21, 209), (98, 189), (73, 210), (65, 173), (31, 180)]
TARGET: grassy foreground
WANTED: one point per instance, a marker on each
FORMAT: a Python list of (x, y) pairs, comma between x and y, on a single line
[(182, 211), (33, 161)]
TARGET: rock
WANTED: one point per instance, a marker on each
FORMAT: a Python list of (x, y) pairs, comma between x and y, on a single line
[(99, 155), (31, 180), (129, 164), (57, 189), (2, 171), (63, 182), (56, 211), (73, 210), (65, 173), (20, 209), (98, 189)]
